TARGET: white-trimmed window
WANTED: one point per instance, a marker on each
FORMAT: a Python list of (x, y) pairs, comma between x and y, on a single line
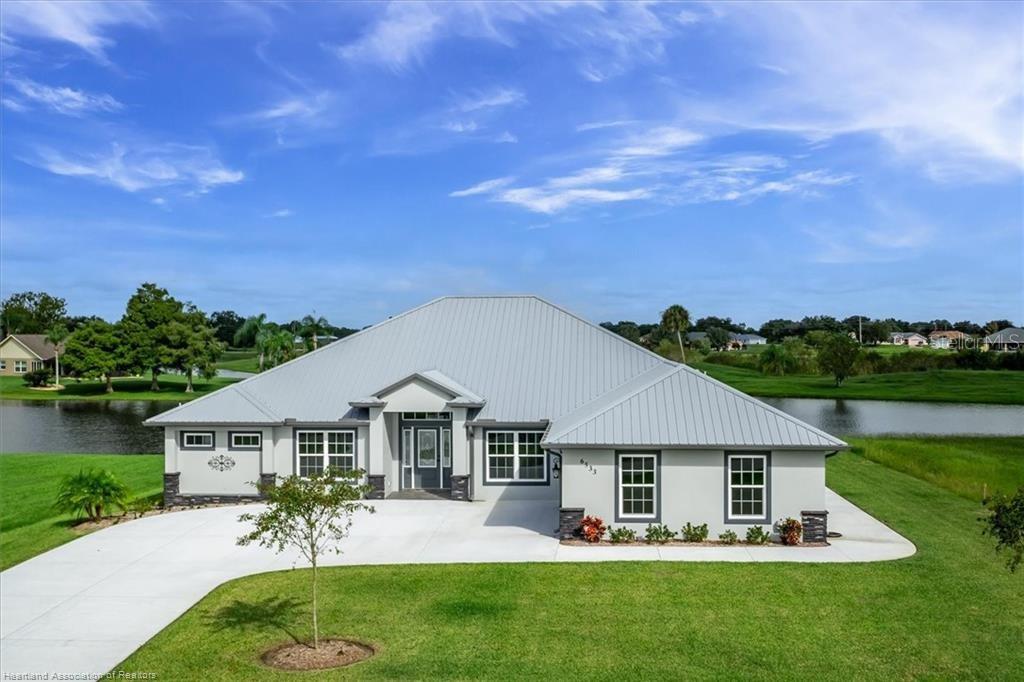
[(748, 487), (516, 456), (638, 486), (37, 365), (3, 364), (20, 366), (197, 440), (246, 440), (317, 450), (426, 416)]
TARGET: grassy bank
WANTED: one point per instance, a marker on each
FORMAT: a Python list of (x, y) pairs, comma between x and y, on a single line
[(967, 466), (958, 386), (28, 486), (172, 387), (952, 611), (239, 360)]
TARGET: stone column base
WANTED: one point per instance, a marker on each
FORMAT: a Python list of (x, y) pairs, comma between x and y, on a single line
[(815, 525), (267, 481), (460, 487), (376, 482), (172, 484), (569, 521)]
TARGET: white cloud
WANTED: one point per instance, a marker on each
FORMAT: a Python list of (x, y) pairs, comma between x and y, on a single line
[(600, 125), (84, 23), (895, 234), (551, 200), (493, 99), (282, 213), (302, 108), (63, 100), (460, 126), (484, 187), (505, 137), (659, 141), (142, 167)]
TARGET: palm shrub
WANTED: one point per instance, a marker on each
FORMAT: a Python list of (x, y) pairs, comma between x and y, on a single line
[(756, 535), (693, 533), (729, 537), (658, 533), (622, 534), (90, 492)]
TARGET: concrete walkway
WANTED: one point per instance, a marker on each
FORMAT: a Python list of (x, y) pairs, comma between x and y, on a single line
[(85, 606)]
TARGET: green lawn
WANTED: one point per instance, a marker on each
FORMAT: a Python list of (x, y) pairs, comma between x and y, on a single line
[(240, 364), (967, 466), (172, 387), (28, 485), (952, 611), (948, 385)]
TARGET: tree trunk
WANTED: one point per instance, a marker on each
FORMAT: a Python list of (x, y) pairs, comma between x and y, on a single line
[(679, 337), (316, 627), (314, 341), (110, 384), (188, 381), (261, 361), (56, 361), (154, 385)]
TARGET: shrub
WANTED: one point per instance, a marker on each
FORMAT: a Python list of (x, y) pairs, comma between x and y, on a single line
[(37, 377), (89, 493), (1005, 523), (693, 533), (790, 531), (140, 506), (756, 535), (592, 528), (729, 537), (659, 533), (622, 534)]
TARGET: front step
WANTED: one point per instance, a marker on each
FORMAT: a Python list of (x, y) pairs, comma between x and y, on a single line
[(421, 494)]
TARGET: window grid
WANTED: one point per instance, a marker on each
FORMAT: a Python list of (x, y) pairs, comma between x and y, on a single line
[(20, 366), (516, 456), (195, 439), (747, 486), (246, 440), (637, 486), (318, 450), (426, 416)]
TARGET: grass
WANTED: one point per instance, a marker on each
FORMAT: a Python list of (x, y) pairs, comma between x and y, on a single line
[(952, 611), (172, 387), (967, 466), (956, 385), (239, 360), (28, 486)]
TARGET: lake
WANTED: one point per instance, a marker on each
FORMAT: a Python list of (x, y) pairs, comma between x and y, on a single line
[(115, 426)]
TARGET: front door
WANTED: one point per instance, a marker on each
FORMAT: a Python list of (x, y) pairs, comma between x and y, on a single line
[(426, 457)]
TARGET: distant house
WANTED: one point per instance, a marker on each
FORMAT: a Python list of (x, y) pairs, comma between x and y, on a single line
[(749, 339), (1011, 339), (946, 339), (912, 339), (21, 353), (696, 337)]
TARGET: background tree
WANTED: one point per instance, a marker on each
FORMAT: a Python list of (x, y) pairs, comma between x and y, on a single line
[(992, 326), (94, 350), (775, 360), (1005, 523), (838, 356), (726, 323), (193, 345), (31, 312), (56, 335), (278, 345), (675, 320), (144, 329), (311, 514), (253, 331), (968, 327), (227, 323), (718, 337), (313, 327), (778, 329), (625, 329)]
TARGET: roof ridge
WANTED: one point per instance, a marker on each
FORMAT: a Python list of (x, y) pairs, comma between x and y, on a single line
[(258, 404)]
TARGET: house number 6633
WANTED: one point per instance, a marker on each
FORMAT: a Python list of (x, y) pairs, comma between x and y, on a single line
[(590, 468)]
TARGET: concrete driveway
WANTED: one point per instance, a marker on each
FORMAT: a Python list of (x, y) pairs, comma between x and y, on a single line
[(85, 606)]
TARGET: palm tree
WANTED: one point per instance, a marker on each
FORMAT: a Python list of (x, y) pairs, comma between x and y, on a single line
[(279, 345), (313, 326), (56, 336), (676, 320), (250, 332)]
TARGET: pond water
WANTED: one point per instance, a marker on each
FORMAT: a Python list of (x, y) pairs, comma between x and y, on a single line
[(115, 426)]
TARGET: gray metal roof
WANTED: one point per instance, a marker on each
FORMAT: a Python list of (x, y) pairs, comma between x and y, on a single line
[(683, 407), (521, 359)]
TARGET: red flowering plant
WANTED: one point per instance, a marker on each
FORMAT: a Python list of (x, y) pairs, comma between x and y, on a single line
[(790, 531), (593, 528)]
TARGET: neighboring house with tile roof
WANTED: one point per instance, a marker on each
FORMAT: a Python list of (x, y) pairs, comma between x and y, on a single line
[(21, 353), (505, 398)]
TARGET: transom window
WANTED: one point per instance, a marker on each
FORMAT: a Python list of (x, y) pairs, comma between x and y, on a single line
[(426, 416), (516, 456), (638, 486), (250, 440), (747, 487), (318, 450), (197, 439)]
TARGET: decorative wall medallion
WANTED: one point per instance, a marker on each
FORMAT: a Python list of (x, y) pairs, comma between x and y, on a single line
[(221, 463)]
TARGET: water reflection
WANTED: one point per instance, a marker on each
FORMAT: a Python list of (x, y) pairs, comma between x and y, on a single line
[(101, 426)]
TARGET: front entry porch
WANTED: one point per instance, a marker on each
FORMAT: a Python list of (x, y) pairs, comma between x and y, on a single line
[(421, 494)]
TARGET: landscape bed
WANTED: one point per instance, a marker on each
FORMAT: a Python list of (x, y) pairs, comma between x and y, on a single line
[(950, 611)]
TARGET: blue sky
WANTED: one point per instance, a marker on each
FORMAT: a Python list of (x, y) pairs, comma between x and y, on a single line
[(745, 160)]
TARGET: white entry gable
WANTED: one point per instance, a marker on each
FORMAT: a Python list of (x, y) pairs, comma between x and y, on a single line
[(427, 391)]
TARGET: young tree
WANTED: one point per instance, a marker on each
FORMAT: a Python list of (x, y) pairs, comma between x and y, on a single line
[(838, 355), (313, 327), (144, 330), (94, 350), (676, 320), (310, 514), (1005, 523), (56, 335)]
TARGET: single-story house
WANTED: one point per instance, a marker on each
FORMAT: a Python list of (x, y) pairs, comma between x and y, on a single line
[(947, 338), (1011, 339), (505, 398), (749, 339), (21, 353), (912, 339)]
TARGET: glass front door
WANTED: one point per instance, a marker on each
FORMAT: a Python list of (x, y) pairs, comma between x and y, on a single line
[(427, 459), (426, 456)]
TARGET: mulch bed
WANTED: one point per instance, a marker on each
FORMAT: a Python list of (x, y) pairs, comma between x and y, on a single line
[(107, 521), (333, 653), (682, 543)]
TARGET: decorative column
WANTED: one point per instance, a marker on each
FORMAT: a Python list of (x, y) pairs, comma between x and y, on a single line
[(815, 525), (569, 521), (172, 489)]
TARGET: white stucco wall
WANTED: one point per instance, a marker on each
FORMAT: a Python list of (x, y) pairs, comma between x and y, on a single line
[(488, 491), (199, 478), (693, 487)]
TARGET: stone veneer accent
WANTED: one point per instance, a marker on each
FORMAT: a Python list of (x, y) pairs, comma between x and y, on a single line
[(460, 487), (268, 480), (569, 521), (174, 498), (815, 525), (376, 482), (171, 488)]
